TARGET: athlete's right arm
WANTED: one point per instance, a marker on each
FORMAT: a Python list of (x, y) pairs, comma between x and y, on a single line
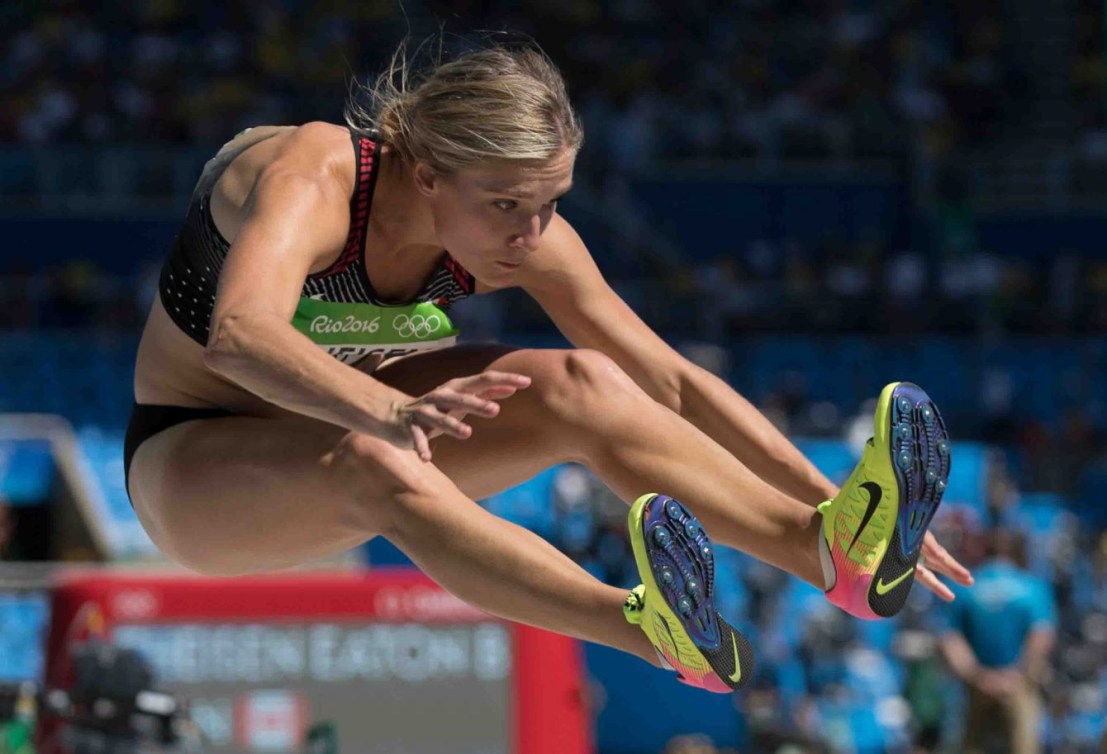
[(296, 218)]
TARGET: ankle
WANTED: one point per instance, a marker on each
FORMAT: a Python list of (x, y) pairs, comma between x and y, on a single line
[(826, 562)]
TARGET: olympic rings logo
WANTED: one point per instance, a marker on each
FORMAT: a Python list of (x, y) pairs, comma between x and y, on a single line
[(416, 325)]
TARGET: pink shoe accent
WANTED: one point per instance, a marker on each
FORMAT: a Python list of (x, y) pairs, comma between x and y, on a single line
[(852, 595), (710, 682)]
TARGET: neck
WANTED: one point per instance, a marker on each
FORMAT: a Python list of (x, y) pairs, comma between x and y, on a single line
[(401, 216)]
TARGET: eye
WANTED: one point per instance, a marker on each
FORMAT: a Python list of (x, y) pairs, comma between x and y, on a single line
[(506, 204)]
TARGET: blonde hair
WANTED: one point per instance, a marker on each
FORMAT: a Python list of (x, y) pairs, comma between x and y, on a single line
[(495, 103)]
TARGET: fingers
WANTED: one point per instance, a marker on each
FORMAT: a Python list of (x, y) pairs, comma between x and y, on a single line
[(421, 442), (938, 558), (443, 423), (498, 393), (477, 393), (433, 421), (926, 577), (488, 380), (451, 401), (440, 412)]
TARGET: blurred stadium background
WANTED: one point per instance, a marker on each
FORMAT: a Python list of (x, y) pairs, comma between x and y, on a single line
[(809, 197)]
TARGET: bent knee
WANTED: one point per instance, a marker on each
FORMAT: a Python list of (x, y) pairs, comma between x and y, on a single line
[(576, 383), (595, 370)]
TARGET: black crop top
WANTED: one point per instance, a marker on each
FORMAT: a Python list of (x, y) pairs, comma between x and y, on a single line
[(339, 310)]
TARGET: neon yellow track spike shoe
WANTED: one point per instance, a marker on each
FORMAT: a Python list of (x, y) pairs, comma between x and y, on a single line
[(874, 528), (675, 603)]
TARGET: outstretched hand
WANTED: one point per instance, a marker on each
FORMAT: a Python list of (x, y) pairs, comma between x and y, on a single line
[(938, 560), (441, 411)]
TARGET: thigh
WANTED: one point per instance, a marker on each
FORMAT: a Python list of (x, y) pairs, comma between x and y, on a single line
[(238, 494), (521, 441)]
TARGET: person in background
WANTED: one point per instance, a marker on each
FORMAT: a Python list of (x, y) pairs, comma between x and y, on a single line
[(998, 642)]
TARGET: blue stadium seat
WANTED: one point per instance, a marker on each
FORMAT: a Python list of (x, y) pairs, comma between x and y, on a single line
[(528, 504), (23, 627), (832, 457)]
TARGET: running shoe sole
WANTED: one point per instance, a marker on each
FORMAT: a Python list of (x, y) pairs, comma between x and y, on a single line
[(676, 555), (875, 527), (919, 452)]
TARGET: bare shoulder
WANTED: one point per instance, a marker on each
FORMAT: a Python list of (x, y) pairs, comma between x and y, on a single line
[(310, 165), (317, 150)]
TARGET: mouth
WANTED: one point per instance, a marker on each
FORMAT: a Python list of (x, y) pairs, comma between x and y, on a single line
[(509, 266)]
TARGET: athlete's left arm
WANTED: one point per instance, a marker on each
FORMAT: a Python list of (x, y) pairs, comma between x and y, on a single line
[(563, 278), (565, 281)]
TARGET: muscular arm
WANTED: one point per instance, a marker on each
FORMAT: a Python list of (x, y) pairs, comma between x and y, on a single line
[(295, 218), (564, 279)]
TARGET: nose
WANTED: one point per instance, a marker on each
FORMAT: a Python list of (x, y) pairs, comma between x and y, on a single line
[(530, 236)]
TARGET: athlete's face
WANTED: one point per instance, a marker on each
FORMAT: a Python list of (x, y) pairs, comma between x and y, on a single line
[(492, 215)]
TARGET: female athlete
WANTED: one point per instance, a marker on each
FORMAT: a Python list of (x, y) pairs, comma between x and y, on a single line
[(298, 389)]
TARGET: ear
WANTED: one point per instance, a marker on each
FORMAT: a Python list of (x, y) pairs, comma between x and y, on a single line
[(426, 180)]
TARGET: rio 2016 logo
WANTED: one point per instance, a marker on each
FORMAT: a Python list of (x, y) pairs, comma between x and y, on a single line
[(416, 325), (350, 323)]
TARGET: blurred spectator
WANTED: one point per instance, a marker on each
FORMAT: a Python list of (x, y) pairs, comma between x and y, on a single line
[(914, 83), (773, 78), (998, 642), (692, 744)]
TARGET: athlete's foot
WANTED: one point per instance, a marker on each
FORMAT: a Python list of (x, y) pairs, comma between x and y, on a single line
[(675, 604), (873, 530)]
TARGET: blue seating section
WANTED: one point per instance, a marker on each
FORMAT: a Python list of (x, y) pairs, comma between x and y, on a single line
[(26, 471), (23, 627), (87, 376), (1047, 377), (103, 452)]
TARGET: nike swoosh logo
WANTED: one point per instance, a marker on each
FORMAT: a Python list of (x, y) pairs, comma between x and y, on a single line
[(672, 639), (737, 676), (882, 588), (875, 495)]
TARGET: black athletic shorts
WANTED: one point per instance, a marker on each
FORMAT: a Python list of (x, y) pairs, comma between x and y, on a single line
[(147, 420)]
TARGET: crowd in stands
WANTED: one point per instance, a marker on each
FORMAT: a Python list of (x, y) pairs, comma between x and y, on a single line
[(756, 78), (870, 288), (909, 81)]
